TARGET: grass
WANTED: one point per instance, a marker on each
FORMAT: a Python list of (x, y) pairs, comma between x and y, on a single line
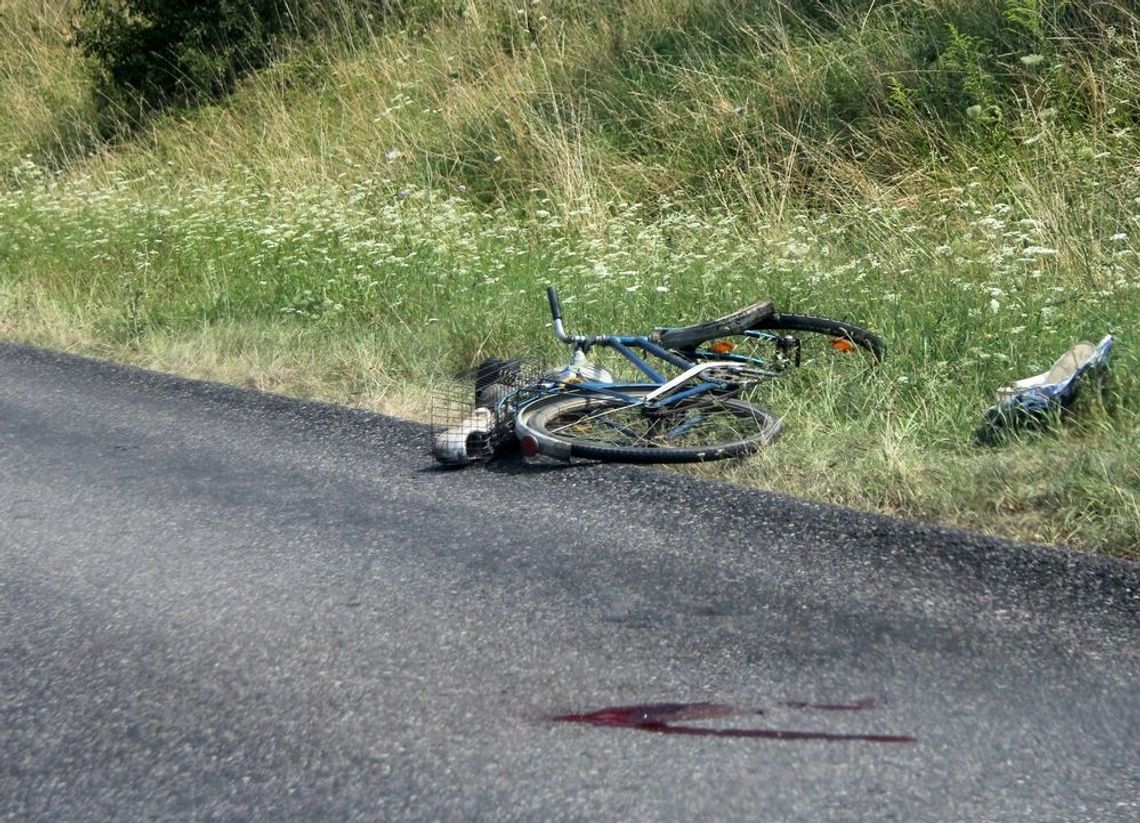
[(359, 221)]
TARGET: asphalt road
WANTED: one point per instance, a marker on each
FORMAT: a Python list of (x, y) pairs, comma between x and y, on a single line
[(219, 604)]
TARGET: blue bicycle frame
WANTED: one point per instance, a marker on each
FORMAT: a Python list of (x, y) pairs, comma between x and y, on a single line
[(626, 346)]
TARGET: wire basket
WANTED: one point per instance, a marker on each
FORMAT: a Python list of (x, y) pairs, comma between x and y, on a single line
[(472, 419)]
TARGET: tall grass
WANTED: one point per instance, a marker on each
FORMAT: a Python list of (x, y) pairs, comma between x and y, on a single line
[(46, 110), (377, 211)]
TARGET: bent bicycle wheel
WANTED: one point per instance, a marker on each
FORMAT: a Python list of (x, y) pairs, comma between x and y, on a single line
[(788, 340), (622, 429), (824, 338)]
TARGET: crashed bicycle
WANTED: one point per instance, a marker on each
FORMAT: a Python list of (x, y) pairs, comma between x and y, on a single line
[(694, 397)]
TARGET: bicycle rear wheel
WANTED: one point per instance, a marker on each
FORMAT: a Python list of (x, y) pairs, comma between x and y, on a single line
[(835, 337), (784, 341), (621, 428)]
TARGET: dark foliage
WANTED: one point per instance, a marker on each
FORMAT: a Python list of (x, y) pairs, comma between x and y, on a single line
[(154, 53)]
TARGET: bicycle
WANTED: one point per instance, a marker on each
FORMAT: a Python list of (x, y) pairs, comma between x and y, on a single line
[(706, 410)]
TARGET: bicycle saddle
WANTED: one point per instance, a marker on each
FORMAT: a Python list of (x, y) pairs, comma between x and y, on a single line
[(688, 337)]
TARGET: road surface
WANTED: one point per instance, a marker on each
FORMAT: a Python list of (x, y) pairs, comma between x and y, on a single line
[(221, 604)]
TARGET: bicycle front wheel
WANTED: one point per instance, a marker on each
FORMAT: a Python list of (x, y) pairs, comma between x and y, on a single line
[(620, 428)]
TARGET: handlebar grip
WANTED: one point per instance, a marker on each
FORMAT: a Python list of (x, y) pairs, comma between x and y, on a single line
[(555, 306)]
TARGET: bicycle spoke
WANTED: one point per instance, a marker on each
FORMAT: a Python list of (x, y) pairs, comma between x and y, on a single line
[(624, 425), (631, 425), (685, 427), (585, 423)]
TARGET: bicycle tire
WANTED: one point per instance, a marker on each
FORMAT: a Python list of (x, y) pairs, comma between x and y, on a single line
[(867, 340), (547, 423)]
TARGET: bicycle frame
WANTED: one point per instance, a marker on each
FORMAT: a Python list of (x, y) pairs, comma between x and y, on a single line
[(666, 391)]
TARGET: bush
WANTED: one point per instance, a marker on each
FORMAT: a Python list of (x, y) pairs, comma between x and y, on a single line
[(154, 53)]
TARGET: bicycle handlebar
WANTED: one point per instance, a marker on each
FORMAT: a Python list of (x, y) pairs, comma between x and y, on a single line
[(581, 341), (556, 314)]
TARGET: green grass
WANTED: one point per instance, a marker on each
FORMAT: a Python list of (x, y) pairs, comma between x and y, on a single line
[(360, 221)]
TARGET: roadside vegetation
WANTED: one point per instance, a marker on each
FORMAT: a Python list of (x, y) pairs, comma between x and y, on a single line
[(378, 201)]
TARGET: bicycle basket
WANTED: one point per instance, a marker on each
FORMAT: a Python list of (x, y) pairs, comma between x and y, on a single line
[(472, 418)]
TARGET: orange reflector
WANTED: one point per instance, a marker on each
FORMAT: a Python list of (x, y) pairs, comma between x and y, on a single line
[(843, 345), (722, 347)]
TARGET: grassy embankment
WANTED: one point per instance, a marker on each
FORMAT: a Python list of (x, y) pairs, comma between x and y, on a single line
[(368, 215)]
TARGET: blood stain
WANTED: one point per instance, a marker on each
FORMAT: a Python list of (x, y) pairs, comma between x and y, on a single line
[(661, 717)]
